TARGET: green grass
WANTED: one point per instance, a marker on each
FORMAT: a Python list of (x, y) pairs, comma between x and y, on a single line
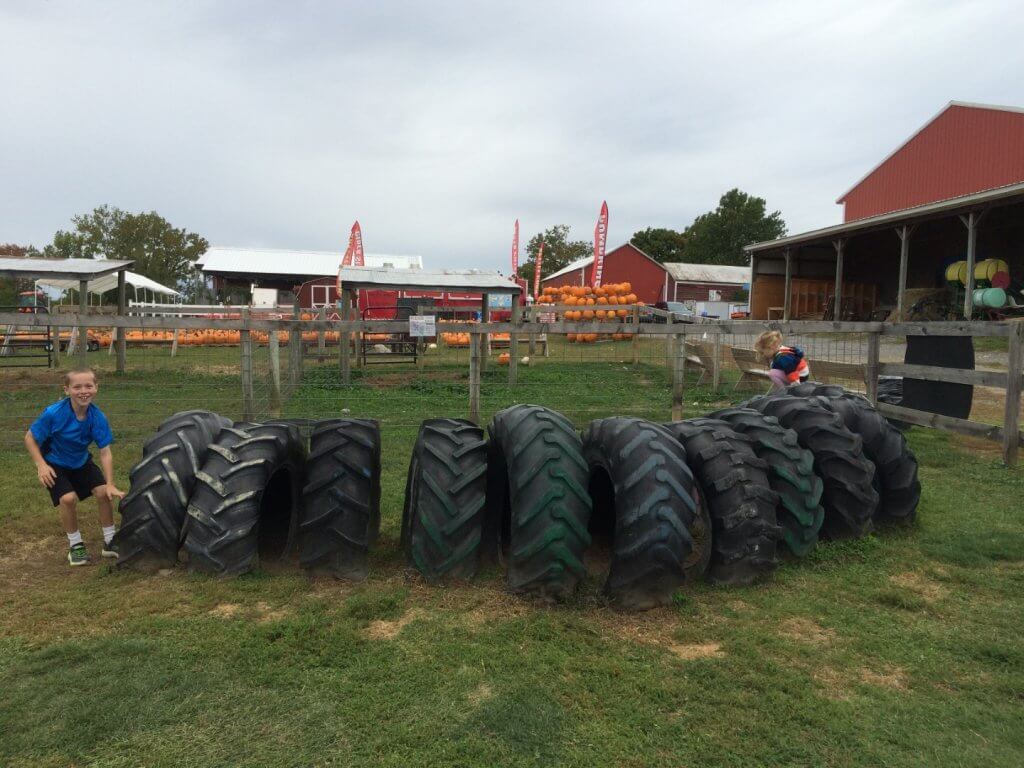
[(901, 649)]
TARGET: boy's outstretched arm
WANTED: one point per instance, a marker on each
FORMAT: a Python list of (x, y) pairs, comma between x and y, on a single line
[(107, 463), (46, 474)]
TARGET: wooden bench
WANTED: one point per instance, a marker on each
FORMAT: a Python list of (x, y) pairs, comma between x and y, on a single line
[(752, 367), (703, 356)]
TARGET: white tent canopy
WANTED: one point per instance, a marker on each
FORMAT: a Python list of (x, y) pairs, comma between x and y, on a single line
[(109, 283)]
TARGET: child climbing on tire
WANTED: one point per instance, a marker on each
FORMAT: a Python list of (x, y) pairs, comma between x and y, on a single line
[(787, 365)]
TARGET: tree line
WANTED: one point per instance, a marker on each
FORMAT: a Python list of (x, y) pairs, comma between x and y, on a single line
[(167, 254)]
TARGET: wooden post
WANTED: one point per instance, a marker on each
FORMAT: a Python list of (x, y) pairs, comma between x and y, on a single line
[(838, 306), (420, 349), (321, 336), (83, 332), (787, 299), (971, 222), (120, 333), (294, 356), (1011, 414), (678, 372), (248, 405), (485, 307), (531, 316), (670, 343), (636, 334), (55, 333), (275, 373), (716, 370), (474, 377), (901, 304), (513, 346), (352, 313), (345, 339), (174, 343), (871, 372)]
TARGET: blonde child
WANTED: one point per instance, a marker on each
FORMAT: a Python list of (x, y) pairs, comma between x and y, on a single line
[(58, 442), (787, 365)]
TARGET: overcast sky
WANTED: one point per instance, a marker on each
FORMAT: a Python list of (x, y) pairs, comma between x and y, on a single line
[(437, 124)]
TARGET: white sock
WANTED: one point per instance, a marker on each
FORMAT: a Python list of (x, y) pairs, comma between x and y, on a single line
[(108, 532), (74, 538)]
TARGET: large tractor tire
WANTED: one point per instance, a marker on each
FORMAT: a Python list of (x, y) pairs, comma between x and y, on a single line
[(641, 484), (153, 511), (446, 491), (895, 464), (790, 475), (340, 516), (538, 508), (849, 496), (246, 499), (734, 484)]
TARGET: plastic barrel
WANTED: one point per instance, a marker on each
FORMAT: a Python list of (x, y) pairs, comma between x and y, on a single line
[(995, 298), (953, 271), (1000, 280), (984, 270)]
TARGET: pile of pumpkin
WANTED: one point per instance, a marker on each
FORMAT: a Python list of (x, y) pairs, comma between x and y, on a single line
[(208, 337), (451, 339), (604, 303)]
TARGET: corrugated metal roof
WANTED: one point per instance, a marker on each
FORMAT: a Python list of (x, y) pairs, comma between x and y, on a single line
[(277, 261), (707, 273), (442, 280), (77, 269), (571, 267), (930, 210), (109, 283)]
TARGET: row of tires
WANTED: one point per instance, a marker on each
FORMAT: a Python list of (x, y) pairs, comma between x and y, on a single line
[(720, 497)]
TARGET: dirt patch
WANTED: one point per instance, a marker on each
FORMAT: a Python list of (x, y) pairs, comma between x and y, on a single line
[(693, 651), (226, 610), (807, 631), (832, 683), (480, 694), (266, 613), (931, 591), (388, 630), (891, 677)]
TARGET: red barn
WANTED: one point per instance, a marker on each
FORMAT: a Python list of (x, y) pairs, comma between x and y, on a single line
[(964, 149), (627, 263)]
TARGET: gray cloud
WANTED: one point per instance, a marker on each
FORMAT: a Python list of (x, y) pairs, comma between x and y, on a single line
[(438, 124)]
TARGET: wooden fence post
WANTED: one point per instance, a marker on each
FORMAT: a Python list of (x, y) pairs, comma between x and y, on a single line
[(1011, 415), (636, 334), (248, 406), (474, 377), (513, 346), (678, 372), (345, 343), (121, 342), (716, 363), (871, 370), (321, 335), (294, 357), (83, 330), (531, 317), (275, 373)]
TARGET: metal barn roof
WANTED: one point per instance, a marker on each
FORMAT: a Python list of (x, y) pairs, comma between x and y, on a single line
[(418, 279), (571, 267), (60, 269), (278, 261), (707, 273)]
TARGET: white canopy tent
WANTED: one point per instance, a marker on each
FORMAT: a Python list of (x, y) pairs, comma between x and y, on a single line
[(109, 283)]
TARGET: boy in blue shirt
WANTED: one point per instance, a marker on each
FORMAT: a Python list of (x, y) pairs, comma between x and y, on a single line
[(58, 442)]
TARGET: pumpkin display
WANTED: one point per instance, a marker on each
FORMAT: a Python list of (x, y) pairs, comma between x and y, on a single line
[(600, 304)]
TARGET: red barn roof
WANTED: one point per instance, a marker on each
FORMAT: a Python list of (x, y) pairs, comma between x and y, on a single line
[(966, 148)]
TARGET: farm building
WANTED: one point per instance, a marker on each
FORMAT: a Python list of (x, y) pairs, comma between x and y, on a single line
[(952, 192), (700, 282), (627, 263)]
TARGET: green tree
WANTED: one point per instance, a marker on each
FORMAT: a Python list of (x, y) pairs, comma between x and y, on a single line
[(662, 245), (160, 251), (718, 237), (559, 252)]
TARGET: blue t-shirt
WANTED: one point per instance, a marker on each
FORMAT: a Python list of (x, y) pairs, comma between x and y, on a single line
[(64, 439)]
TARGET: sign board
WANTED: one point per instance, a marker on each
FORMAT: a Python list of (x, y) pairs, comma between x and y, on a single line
[(500, 301), (422, 325)]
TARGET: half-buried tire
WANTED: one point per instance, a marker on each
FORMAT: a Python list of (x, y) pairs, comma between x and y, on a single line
[(895, 464), (849, 496), (741, 503), (538, 508), (153, 511), (446, 491), (340, 516), (790, 474), (642, 486), (246, 499)]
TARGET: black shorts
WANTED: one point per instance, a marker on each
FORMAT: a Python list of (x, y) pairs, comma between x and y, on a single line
[(81, 481)]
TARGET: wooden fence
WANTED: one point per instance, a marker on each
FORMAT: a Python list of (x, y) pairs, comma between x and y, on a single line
[(674, 334)]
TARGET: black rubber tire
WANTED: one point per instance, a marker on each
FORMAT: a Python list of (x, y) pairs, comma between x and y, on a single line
[(446, 491), (340, 517), (153, 512), (895, 464), (741, 503), (652, 505), (790, 474), (849, 496), (248, 476), (538, 508)]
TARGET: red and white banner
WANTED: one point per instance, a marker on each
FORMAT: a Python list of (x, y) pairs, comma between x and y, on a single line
[(515, 250), (600, 239), (354, 253), (536, 270)]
